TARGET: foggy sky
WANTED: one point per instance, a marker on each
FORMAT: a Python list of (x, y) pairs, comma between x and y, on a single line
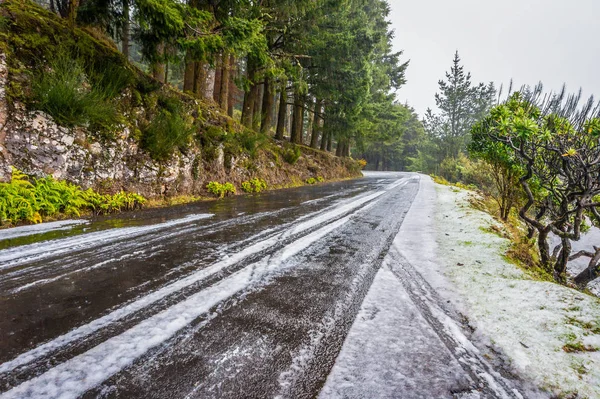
[(554, 41)]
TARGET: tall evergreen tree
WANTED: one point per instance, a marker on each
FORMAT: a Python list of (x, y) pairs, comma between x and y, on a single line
[(460, 104)]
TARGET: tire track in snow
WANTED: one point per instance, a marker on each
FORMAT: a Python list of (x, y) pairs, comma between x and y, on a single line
[(318, 347), (69, 266), (33, 252), (20, 278), (444, 324), (35, 356), (85, 371), (24, 231)]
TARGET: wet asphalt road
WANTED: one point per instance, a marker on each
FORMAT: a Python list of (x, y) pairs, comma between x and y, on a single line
[(249, 297)]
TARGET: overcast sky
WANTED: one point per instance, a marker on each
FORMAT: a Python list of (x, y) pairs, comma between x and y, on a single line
[(554, 41)]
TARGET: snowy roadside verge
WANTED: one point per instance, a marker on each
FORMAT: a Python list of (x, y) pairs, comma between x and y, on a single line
[(529, 321)]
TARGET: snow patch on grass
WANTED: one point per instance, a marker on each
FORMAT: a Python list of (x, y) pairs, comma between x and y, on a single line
[(548, 331)]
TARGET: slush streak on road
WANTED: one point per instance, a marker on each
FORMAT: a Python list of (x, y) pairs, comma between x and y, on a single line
[(250, 297)]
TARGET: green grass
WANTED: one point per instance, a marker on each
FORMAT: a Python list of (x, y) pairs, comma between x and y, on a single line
[(66, 93), (291, 154), (251, 142), (167, 131), (587, 327), (577, 346)]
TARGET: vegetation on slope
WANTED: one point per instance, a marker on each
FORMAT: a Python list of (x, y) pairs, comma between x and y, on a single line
[(27, 199), (319, 72), (76, 75)]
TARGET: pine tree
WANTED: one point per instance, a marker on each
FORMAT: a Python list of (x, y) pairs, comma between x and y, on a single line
[(460, 104)]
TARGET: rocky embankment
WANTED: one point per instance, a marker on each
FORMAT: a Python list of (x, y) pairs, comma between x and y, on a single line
[(32, 141)]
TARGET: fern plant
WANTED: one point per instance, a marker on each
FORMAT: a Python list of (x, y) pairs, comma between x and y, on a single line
[(31, 200)]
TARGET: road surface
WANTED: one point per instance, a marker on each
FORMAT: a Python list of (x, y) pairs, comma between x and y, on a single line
[(248, 297)]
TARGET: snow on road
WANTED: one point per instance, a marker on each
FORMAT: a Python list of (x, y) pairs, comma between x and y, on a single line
[(75, 376), (28, 253), (23, 231), (85, 330), (83, 372), (445, 317), (391, 350), (405, 333), (520, 325)]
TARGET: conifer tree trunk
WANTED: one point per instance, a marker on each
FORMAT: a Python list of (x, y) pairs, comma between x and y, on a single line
[(267, 107), (199, 79), (289, 117), (72, 12), (224, 95), (281, 117), (209, 83), (339, 148), (158, 68), (324, 141), (126, 32), (233, 90), (309, 117), (249, 96), (329, 141), (298, 122), (256, 114), (316, 129), (189, 74), (218, 75), (248, 108), (324, 136)]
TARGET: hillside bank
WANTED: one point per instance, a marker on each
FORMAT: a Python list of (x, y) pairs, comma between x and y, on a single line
[(71, 106)]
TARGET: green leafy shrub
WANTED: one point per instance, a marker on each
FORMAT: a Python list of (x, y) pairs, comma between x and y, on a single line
[(292, 154), (313, 180), (220, 190), (65, 93), (31, 200), (255, 185)]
